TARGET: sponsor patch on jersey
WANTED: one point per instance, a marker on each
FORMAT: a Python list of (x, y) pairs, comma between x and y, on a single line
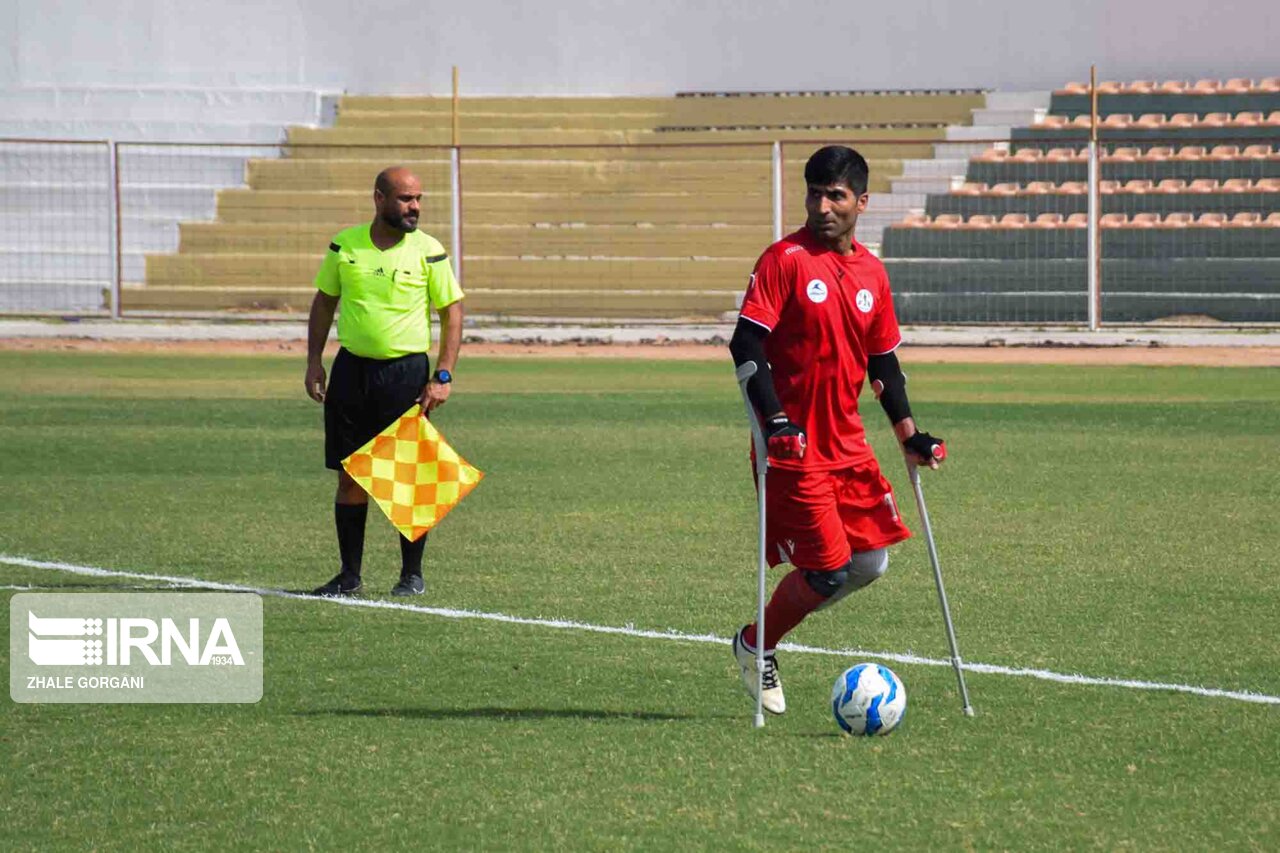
[(864, 300), (792, 250), (817, 292)]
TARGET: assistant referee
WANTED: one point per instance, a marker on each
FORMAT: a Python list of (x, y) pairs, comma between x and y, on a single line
[(387, 275)]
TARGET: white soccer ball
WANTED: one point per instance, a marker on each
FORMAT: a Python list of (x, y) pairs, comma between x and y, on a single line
[(868, 699)]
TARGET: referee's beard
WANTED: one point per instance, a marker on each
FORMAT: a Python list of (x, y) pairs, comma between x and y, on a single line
[(407, 223)]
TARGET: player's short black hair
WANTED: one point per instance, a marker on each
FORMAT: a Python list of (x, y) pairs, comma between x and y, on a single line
[(838, 164)]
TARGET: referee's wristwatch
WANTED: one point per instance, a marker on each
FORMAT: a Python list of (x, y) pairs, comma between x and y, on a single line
[(442, 377)]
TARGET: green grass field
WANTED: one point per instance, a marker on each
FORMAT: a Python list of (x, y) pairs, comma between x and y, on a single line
[(1115, 523)]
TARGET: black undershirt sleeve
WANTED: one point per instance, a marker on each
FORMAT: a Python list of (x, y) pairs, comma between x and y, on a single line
[(886, 370), (746, 345)]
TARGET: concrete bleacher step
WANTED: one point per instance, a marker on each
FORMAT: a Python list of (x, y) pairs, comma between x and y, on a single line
[(935, 167), (218, 105), (70, 264), (500, 104), (1008, 117), (730, 208), (593, 241), (480, 301), (90, 164), (442, 136), (144, 130), (959, 150), (500, 121), (177, 200), (53, 297), (822, 108), (649, 273), (527, 176)]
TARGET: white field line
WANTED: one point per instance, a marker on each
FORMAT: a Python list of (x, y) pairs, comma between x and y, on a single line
[(628, 631)]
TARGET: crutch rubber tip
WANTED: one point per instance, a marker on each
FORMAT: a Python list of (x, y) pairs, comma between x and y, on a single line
[(968, 711)]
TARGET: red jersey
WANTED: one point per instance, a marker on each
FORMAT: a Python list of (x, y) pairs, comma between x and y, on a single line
[(826, 313)]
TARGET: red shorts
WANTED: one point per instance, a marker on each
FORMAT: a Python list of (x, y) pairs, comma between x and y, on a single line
[(817, 519)]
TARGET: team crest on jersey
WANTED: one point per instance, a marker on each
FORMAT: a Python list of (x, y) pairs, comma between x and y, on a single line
[(864, 300), (817, 291)]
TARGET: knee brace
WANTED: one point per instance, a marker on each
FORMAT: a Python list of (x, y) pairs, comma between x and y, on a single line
[(862, 569)]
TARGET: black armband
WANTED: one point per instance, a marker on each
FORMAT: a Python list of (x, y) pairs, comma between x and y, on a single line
[(748, 345), (893, 398)]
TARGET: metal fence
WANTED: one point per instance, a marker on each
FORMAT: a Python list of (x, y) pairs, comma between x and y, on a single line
[(993, 232)]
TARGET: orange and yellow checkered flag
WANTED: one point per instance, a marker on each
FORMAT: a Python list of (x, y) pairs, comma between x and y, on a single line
[(412, 473)]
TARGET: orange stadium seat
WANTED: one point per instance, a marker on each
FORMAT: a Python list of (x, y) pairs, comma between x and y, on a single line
[(1256, 152), (1077, 220), (1073, 187), (1267, 84), (1224, 152), (1028, 154), (1082, 121), (1191, 152), (947, 220), (1060, 155), (1211, 220), (1172, 87), (914, 220), (1215, 120), (1246, 119), (1159, 152), (1137, 185), (992, 154), (1144, 220), (1236, 185), (1074, 89), (1245, 219), (1117, 120), (1139, 87), (1183, 120), (1014, 220), (1124, 155), (1039, 187), (1113, 220), (1151, 120), (1108, 87), (1203, 185), (1236, 86), (1273, 118), (1047, 220), (1171, 185), (970, 188), (1053, 122), (1205, 87), (1177, 220), (1267, 185), (1108, 187), (980, 220), (1272, 220), (1003, 189)]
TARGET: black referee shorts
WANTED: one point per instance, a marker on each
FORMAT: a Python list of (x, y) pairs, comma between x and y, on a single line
[(365, 395)]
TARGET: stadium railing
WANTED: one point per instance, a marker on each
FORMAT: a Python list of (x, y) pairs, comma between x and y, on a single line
[(1187, 226)]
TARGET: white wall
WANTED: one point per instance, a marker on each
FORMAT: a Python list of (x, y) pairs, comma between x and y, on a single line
[(631, 46)]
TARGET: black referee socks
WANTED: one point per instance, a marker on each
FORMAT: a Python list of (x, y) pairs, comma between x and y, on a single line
[(349, 520)]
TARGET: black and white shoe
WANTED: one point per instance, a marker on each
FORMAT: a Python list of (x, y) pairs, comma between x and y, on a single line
[(343, 583), (409, 585), (772, 699)]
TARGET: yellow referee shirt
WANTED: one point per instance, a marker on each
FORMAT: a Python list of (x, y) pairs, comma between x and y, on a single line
[(386, 296)]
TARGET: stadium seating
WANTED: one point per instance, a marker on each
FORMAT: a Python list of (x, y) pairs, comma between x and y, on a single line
[(46, 183), (569, 224), (1190, 204)]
